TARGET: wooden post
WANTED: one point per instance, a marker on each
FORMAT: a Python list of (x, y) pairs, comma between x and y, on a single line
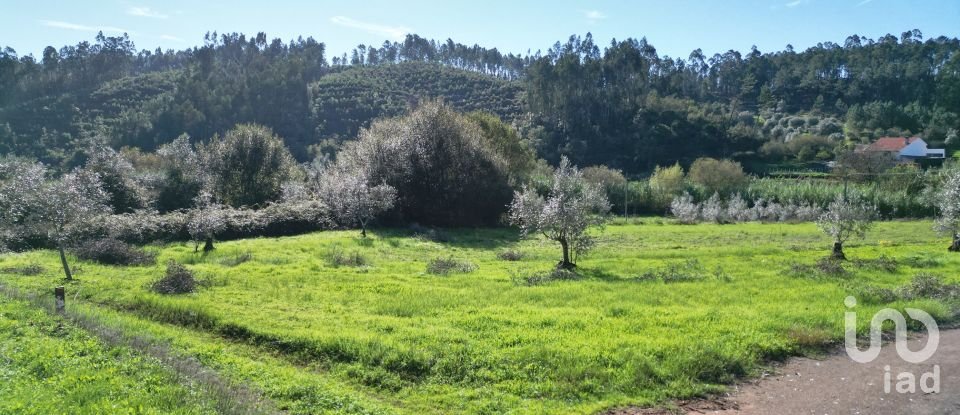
[(61, 298)]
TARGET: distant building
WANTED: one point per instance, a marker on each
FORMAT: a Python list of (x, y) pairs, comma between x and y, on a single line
[(904, 149)]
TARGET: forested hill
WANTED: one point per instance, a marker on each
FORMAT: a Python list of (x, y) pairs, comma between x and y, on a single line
[(623, 105)]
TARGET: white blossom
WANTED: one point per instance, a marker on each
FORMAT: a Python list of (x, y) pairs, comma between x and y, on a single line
[(684, 209), (565, 214)]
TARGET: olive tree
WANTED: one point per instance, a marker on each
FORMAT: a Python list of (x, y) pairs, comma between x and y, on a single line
[(205, 221), (351, 198), (31, 204), (845, 218), (571, 206), (947, 201)]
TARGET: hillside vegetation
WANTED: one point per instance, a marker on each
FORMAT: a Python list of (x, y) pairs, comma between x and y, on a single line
[(623, 105)]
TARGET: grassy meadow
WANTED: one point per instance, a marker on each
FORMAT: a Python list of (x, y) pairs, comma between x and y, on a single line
[(50, 366), (329, 322)]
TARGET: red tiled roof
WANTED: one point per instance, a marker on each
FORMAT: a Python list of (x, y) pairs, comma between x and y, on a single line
[(891, 144)]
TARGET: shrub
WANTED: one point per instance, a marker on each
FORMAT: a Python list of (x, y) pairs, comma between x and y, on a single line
[(712, 210), (446, 266), (510, 255), (113, 252), (666, 183), (723, 176), (177, 280), (684, 209), (336, 257), (249, 165), (462, 181), (929, 286)]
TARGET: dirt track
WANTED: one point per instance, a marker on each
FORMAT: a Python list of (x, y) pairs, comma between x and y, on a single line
[(836, 385)]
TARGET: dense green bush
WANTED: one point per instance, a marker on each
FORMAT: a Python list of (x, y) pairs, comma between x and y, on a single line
[(444, 170), (248, 165)]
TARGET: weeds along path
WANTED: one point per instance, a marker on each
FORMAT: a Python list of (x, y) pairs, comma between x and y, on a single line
[(278, 381), (227, 397)]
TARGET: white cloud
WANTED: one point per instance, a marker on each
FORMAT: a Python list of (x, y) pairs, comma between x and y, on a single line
[(392, 32), (594, 16), (172, 38), (83, 28), (146, 12), (863, 2), (796, 3)]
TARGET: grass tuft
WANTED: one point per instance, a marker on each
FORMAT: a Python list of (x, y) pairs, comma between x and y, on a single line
[(337, 257), (237, 259), (510, 255), (450, 265)]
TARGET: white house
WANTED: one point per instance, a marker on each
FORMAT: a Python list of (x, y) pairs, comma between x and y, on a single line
[(906, 149)]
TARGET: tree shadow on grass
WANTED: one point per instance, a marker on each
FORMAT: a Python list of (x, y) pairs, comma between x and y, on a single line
[(598, 273)]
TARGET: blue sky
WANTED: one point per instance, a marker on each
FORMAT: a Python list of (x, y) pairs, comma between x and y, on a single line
[(674, 27)]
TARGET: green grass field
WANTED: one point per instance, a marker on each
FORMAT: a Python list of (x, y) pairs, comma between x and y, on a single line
[(49, 366), (662, 311)]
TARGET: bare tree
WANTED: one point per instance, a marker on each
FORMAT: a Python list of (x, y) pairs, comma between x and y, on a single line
[(352, 200), (33, 205), (846, 217), (947, 201), (570, 208)]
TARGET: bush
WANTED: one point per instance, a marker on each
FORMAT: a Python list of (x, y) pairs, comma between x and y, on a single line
[(113, 252), (929, 286), (723, 176), (440, 163), (177, 280), (666, 184), (446, 266), (249, 164), (336, 257), (510, 255), (685, 210)]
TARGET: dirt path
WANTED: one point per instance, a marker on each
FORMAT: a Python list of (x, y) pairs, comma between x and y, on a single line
[(836, 385)]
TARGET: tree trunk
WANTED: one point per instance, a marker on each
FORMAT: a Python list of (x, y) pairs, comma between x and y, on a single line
[(363, 231), (208, 245), (955, 247), (565, 264), (838, 252), (63, 261)]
